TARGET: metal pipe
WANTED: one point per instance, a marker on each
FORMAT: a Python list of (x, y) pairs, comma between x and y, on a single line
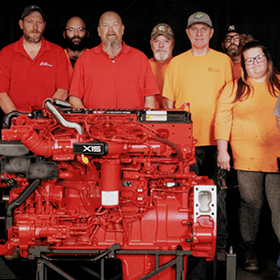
[(48, 104)]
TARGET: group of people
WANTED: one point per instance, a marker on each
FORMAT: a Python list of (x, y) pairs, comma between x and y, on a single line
[(231, 97)]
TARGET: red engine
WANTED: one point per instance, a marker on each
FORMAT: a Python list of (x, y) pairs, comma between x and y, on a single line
[(114, 181)]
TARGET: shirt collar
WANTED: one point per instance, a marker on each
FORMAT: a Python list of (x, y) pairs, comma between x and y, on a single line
[(125, 49), (20, 49)]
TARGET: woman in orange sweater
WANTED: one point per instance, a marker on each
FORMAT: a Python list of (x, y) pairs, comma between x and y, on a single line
[(245, 118)]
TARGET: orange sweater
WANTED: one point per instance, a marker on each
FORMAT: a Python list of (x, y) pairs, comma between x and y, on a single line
[(250, 127)]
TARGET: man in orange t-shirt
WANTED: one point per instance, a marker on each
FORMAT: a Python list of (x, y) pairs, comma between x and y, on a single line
[(162, 44), (233, 42), (75, 35), (231, 46), (197, 77)]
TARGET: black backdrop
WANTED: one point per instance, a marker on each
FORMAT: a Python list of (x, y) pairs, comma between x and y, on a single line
[(259, 18)]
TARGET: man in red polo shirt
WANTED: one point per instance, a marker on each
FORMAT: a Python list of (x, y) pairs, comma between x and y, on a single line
[(32, 69), (113, 74)]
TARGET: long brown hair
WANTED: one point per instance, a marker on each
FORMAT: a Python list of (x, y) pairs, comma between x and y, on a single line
[(243, 87)]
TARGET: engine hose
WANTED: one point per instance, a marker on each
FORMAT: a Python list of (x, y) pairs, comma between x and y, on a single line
[(18, 201), (171, 144), (48, 104), (8, 118)]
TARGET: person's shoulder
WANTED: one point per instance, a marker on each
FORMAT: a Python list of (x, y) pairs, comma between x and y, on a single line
[(10, 48), (134, 50), (180, 57), (53, 46), (219, 54), (91, 52), (97, 50), (231, 86), (152, 61)]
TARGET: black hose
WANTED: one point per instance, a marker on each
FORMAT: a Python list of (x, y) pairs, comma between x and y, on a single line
[(18, 201)]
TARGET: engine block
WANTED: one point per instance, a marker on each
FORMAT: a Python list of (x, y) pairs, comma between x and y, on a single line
[(86, 179)]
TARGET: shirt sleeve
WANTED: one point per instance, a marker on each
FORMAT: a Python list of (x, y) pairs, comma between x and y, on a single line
[(151, 87), (77, 82), (229, 71), (276, 111), (168, 91), (62, 74), (4, 71), (224, 114)]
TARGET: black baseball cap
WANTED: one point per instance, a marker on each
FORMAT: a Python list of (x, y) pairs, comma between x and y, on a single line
[(30, 9)]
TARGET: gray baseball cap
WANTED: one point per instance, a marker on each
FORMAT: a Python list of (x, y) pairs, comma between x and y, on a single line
[(199, 17)]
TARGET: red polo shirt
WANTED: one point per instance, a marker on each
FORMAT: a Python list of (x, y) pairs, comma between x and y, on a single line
[(70, 67), (122, 82), (29, 82)]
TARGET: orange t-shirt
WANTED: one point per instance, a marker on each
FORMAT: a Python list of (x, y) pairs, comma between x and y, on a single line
[(199, 82), (236, 70), (159, 71), (250, 127)]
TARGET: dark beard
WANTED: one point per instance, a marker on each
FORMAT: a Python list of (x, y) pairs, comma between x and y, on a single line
[(76, 46), (232, 52)]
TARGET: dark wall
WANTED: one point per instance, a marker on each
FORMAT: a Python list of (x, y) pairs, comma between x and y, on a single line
[(261, 19)]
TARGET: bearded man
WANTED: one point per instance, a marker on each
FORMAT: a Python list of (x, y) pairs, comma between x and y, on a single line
[(232, 46), (32, 69), (162, 44), (75, 35), (113, 75)]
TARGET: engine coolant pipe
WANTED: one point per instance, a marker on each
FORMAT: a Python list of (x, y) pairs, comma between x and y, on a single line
[(48, 103), (110, 182)]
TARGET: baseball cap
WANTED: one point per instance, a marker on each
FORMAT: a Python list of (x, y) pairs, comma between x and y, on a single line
[(199, 17), (162, 29), (30, 9), (232, 28)]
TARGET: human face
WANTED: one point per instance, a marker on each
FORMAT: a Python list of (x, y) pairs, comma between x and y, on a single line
[(162, 48), (33, 27), (110, 28), (231, 44), (257, 70), (75, 34), (200, 34)]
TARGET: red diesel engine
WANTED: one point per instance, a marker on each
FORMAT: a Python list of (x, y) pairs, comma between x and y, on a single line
[(106, 183)]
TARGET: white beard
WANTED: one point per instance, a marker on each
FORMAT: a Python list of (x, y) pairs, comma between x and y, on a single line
[(161, 56)]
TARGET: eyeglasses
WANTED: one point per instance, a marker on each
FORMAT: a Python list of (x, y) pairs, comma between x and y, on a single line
[(234, 37), (72, 29), (259, 58)]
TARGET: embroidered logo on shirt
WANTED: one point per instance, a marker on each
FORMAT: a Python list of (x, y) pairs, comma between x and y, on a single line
[(45, 64), (213, 70)]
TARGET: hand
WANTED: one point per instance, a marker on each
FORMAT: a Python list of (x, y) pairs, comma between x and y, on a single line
[(223, 160)]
